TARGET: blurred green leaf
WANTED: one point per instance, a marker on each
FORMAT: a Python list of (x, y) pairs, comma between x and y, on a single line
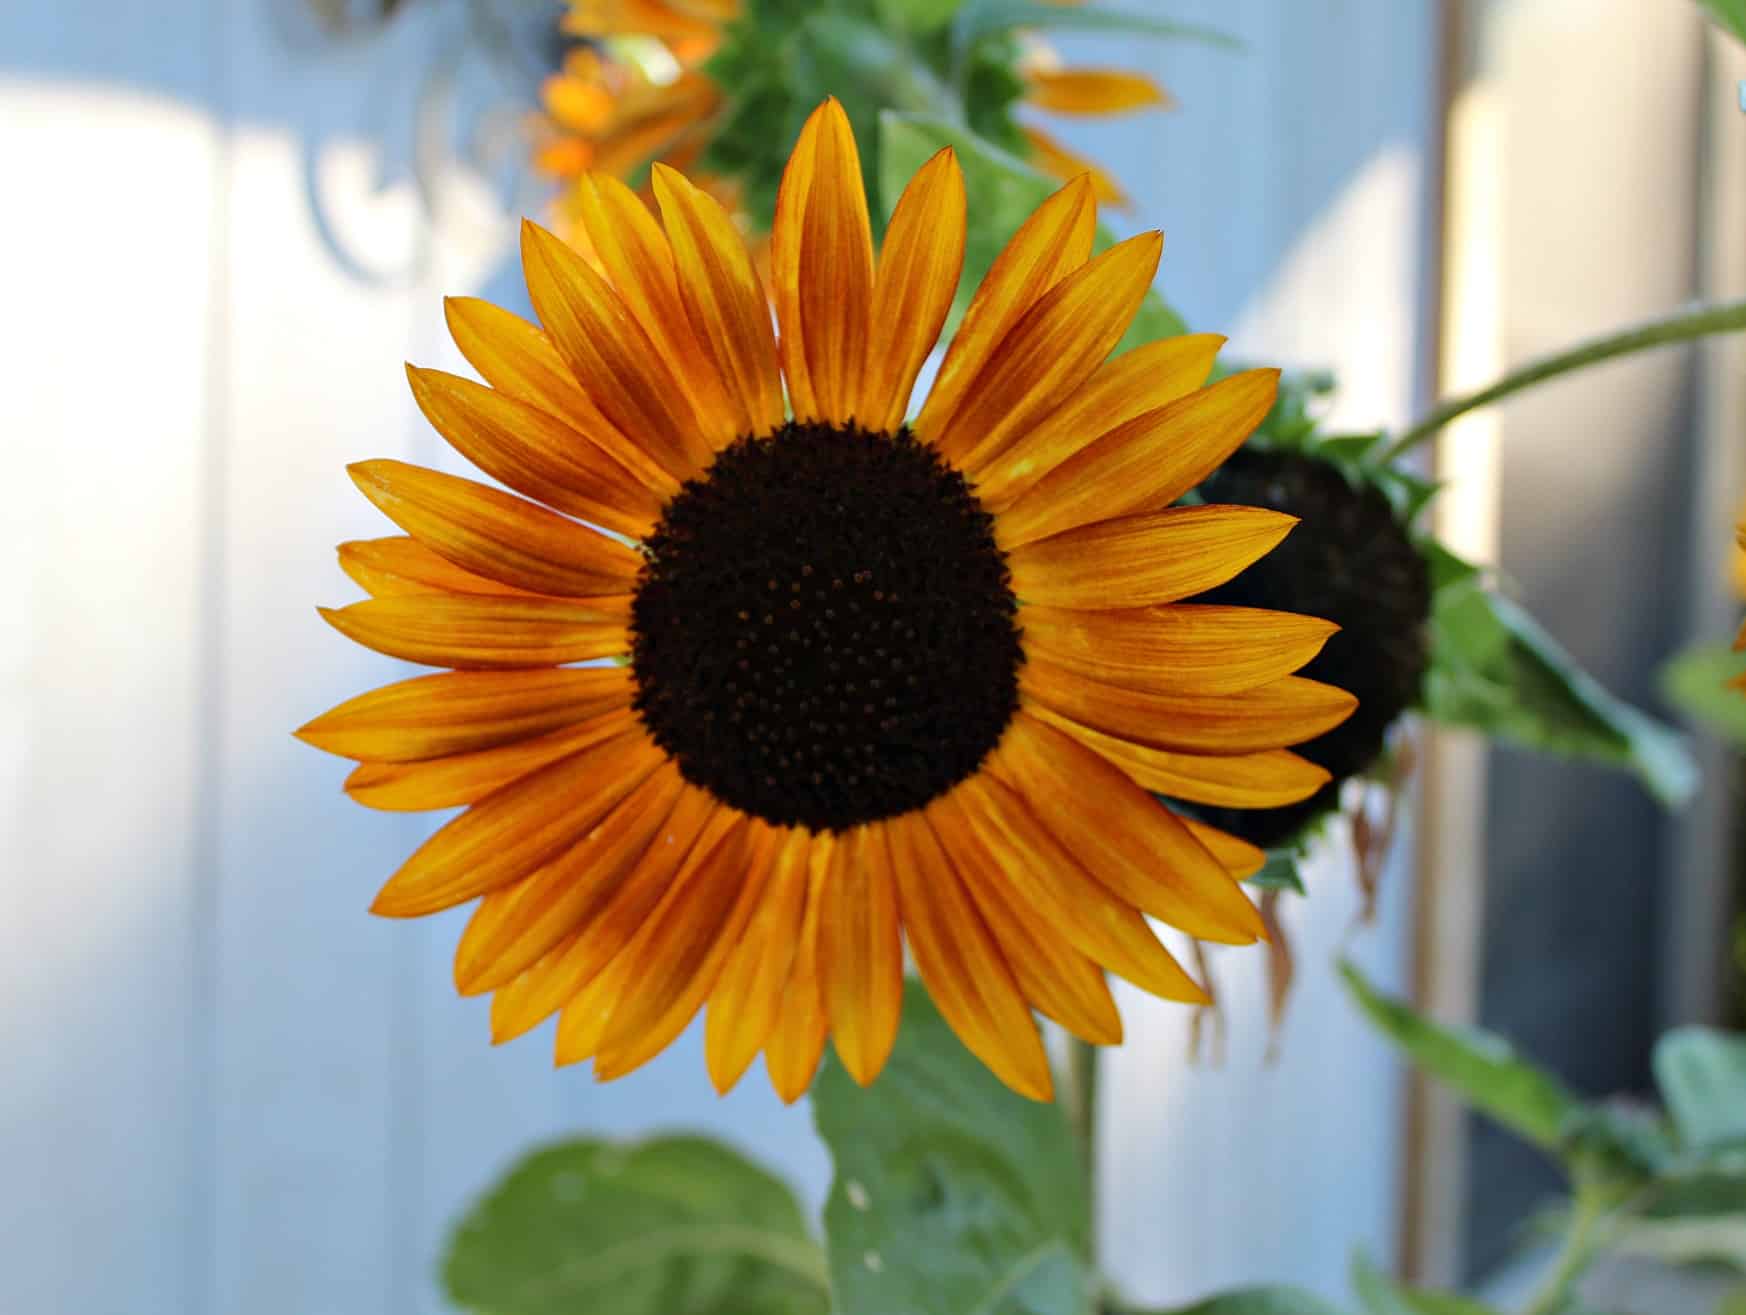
[(1494, 668), (1701, 1073), (1003, 190), (978, 19), (1280, 872), (1381, 1295), (1694, 1240), (1481, 1066), (1255, 1301), (650, 1228), (1695, 682), (1731, 14), (919, 15), (1732, 1303), (952, 1193)]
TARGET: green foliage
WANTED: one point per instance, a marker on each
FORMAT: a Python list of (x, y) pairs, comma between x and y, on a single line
[(1695, 682), (1003, 191), (1380, 1295), (1256, 1301), (1481, 1066), (1280, 872), (1702, 1076), (669, 1226), (978, 20), (1730, 14), (952, 1194), (1732, 1303)]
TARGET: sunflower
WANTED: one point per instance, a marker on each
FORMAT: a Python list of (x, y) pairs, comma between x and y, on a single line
[(866, 682)]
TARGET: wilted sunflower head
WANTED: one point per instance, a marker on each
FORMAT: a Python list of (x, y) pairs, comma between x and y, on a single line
[(870, 681), (1353, 562)]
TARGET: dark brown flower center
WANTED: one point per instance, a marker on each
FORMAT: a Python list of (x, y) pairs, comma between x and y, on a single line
[(824, 631)]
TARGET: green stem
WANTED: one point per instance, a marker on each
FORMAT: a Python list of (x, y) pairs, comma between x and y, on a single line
[(1685, 325), (1082, 1081), (1557, 1289)]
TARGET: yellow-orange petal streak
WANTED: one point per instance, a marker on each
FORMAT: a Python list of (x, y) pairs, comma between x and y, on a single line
[(919, 267), (1052, 156), (519, 828), (1236, 855), (610, 355), (961, 964), (1052, 243), (1269, 778), (1060, 981), (399, 564), (1094, 91), (787, 238), (496, 534), (1139, 561), (459, 712), (541, 456), (1124, 837), (516, 925), (725, 301), (1151, 376), (747, 1000), (1180, 648), (1287, 712), (462, 778), (1052, 350), (516, 358), (1145, 464), (796, 1042), (860, 952), (474, 632)]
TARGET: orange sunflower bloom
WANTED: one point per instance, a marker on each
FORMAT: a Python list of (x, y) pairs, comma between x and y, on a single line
[(872, 683)]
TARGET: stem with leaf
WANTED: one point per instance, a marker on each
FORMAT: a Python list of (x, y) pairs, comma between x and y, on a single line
[(1683, 326), (1082, 1086), (1582, 1239)]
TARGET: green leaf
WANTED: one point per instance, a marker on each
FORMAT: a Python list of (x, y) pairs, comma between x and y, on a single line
[(650, 1228), (1702, 1239), (1280, 872), (1733, 1302), (979, 19), (917, 15), (1255, 1301), (1730, 14), (1494, 668), (1702, 1076), (1696, 682), (953, 1195), (1481, 1066), (1381, 1295), (1003, 190)]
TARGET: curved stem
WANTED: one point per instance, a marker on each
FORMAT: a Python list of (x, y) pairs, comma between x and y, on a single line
[(1082, 1080), (1557, 1289), (1685, 325)]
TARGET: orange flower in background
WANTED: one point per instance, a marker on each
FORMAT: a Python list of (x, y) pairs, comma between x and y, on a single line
[(1080, 92), (871, 682)]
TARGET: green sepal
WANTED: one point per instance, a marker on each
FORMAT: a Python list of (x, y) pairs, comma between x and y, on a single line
[(1279, 872)]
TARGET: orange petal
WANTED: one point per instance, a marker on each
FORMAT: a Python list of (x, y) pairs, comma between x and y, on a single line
[(1145, 464), (919, 265), (519, 828), (725, 301), (796, 1042), (541, 456), (961, 964), (1151, 376), (1287, 712), (1094, 91), (610, 355), (398, 565), (1123, 836), (1270, 778), (1181, 648), (1052, 351), (1052, 243), (1236, 855), (462, 778), (860, 952), (472, 631), (458, 712), (1139, 561), (496, 534), (787, 234), (1053, 157)]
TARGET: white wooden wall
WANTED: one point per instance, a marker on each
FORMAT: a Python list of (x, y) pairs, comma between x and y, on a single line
[(227, 1090)]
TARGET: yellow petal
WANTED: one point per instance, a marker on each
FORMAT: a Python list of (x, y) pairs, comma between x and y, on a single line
[(1124, 837), (787, 238), (476, 632), (1094, 91), (919, 265), (1053, 157), (860, 952), (515, 926), (1180, 648), (1145, 464), (1150, 376), (747, 999), (1139, 561), (1060, 981), (1236, 855), (1035, 870), (610, 355), (961, 964), (541, 456), (462, 778), (517, 359), (458, 712), (796, 1041), (496, 534), (1051, 351), (725, 301), (1052, 243), (1270, 778), (519, 828), (398, 565), (1287, 712)]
